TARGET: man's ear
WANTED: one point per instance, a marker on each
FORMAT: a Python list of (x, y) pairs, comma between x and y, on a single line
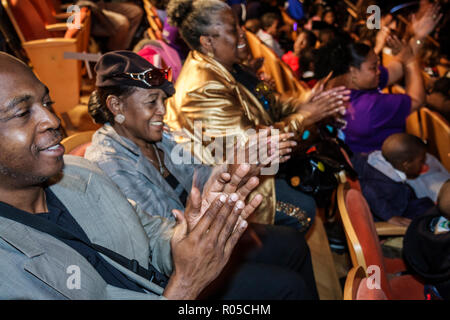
[(404, 166), (114, 104)]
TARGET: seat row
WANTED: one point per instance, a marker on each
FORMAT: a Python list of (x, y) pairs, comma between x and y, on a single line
[(45, 35)]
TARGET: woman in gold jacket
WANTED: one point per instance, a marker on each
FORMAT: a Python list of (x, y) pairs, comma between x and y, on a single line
[(216, 98)]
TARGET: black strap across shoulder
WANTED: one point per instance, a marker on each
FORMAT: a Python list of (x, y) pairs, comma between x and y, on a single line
[(173, 182), (54, 230)]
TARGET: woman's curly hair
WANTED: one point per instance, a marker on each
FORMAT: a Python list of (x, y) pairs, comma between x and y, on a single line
[(193, 18), (97, 102)]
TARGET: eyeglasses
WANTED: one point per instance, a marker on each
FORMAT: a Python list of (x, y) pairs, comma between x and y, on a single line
[(151, 77)]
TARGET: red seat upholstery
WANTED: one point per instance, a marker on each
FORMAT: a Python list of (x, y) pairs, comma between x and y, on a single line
[(360, 230), (46, 10), (34, 16), (357, 287), (31, 24), (365, 293)]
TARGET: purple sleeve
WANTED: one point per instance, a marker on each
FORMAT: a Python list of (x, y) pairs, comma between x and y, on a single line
[(384, 77), (170, 33)]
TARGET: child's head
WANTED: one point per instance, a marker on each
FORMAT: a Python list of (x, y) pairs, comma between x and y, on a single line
[(329, 16), (253, 25), (442, 86), (270, 22), (444, 200), (305, 40), (406, 153)]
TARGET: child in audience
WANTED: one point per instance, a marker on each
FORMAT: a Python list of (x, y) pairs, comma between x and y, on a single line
[(305, 40), (401, 181), (269, 32)]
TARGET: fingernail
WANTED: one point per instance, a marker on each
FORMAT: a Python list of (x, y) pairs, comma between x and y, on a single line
[(234, 197), (240, 204), (289, 150), (243, 224), (223, 198), (293, 143)]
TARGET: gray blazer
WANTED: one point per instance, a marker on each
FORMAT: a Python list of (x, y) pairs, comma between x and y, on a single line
[(34, 265)]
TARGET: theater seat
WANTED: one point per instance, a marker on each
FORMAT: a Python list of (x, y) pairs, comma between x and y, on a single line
[(45, 47), (156, 26), (365, 249), (436, 131), (357, 287), (76, 144), (285, 80)]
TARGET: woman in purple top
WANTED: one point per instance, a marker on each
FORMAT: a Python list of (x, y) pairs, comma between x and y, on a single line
[(372, 115)]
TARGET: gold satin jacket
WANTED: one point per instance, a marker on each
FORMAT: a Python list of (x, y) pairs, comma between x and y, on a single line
[(208, 93)]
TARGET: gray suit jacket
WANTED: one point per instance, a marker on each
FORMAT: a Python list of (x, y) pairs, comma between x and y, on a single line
[(35, 265)]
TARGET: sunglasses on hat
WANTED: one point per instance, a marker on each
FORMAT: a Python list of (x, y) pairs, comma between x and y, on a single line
[(151, 77)]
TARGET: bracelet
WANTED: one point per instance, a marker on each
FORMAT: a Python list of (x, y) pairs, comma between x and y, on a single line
[(295, 212)]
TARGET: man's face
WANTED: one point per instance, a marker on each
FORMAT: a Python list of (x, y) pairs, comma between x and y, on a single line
[(30, 133)]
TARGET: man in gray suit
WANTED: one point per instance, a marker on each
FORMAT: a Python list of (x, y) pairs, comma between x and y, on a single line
[(75, 197)]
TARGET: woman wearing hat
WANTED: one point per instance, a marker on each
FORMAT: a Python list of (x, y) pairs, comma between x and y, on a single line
[(134, 150)]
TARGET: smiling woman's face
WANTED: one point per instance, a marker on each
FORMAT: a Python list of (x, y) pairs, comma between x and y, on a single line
[(367, 76), (226, 38), (144, 112)]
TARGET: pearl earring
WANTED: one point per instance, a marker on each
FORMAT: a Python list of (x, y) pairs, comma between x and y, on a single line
[(119, 118)]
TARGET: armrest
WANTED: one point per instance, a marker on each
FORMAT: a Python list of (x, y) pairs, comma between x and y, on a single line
[(50, 42), (59, 26), (389, 229), (62, 15), (62, 26), (64, 6)]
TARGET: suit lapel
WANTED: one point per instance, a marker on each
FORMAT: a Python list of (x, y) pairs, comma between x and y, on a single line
[(50, 259), (107, 224)]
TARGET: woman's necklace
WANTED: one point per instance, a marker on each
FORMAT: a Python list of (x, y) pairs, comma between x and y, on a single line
[(160, 165)]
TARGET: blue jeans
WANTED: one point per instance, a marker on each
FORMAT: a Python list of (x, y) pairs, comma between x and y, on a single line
[(285, 193)]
